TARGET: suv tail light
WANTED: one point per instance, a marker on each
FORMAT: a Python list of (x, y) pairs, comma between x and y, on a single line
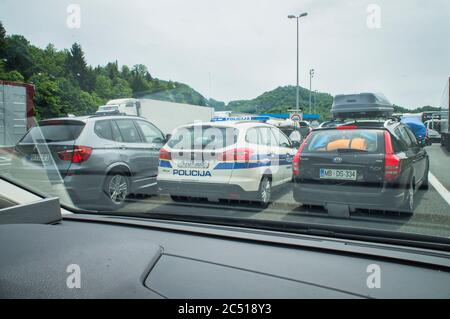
[(236, 155), (79, 154), (165, 155), (392, 163), (297, 157)]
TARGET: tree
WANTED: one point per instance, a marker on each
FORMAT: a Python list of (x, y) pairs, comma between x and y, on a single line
[(49, 61), (47, 96), (2, 40), (103, 87), (112, 70), (17, 55), (138, 82), (122, 89), (12, 76), (76, 65)]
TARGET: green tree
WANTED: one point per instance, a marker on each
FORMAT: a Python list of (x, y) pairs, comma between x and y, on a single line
[(17, 55), (121, 89), (138, 82), (89, 103), (12, 76), (47, 97), (103, 87), (76, 65), (49, 61), (2, 40)]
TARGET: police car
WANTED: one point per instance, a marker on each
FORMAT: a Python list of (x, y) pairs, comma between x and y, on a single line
[(225, 160)]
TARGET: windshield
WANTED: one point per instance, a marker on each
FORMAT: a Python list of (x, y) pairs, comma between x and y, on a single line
[(255, 115)]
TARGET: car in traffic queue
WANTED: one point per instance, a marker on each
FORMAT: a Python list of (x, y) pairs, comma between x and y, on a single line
[(98, 159), (368, 164), (225, 160), (434, 130)]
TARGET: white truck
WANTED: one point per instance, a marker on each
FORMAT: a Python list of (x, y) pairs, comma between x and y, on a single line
[(165, 115), (445, 116)]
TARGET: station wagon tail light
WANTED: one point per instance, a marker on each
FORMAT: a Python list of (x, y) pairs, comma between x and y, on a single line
[(297, 157), (236, 155), (392, 163), (79, 154), (165, 155)]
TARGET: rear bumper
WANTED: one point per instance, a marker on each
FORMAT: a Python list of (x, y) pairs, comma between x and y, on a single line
[(365, 197), (205, 190)]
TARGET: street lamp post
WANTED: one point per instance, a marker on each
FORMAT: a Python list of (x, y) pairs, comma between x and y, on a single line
[(311, 75), (298, 68), (315, 98)]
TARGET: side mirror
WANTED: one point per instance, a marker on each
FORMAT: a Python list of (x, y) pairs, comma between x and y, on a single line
[(159, 140), (168, 137), (296, 144), (423, 142)]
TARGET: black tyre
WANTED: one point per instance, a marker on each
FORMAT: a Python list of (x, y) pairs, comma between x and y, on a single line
[(408, 205), (265, 192), (116, 189), (426, 184)]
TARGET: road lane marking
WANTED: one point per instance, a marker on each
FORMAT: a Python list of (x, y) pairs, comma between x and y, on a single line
[(445, 194)]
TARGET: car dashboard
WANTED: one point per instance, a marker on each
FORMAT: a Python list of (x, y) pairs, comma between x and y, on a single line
[(120, 257)]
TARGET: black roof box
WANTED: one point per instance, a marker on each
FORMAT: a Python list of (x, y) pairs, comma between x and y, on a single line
[(363, 105)]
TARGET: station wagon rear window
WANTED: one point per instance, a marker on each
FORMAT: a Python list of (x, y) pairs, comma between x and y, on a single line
[(367, 141)]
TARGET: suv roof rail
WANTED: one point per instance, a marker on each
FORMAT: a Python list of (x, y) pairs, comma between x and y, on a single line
[(113, 114)]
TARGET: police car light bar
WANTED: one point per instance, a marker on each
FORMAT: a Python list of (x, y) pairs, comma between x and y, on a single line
[(241, 118)]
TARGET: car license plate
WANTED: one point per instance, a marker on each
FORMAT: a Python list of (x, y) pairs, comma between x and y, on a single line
[(193, 164), (340, 174), (40, 157)]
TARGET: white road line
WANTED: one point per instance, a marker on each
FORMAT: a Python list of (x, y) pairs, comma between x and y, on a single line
[(439, 188)]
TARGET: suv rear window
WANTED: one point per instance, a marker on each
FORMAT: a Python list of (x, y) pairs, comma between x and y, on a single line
[(369, 141), (54, 131)]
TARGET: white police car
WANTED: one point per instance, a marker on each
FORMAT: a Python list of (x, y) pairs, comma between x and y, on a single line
[(225, 160)]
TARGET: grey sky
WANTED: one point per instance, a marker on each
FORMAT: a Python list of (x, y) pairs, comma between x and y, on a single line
[(248, 46)]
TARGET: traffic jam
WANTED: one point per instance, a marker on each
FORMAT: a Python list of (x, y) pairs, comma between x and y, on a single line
[(363, 160)]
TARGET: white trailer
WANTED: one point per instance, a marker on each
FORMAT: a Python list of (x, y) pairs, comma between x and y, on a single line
[(165, 115), (16, 111)]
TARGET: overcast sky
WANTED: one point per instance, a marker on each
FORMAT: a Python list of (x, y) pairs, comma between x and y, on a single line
[(248, 47)]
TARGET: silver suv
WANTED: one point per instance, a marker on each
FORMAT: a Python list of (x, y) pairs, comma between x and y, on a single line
[(100, 159)]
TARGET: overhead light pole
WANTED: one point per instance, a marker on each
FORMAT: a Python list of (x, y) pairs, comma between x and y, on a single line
[(311, 75), (315, 98), (298, 67)]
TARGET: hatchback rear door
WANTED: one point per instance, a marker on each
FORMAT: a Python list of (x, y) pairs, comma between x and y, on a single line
[(44, 145), (344, 156), (205, 153)]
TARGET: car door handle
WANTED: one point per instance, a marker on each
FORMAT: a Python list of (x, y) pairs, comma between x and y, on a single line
[(122, 147)]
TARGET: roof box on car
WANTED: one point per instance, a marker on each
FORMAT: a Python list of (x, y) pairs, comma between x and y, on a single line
[(363, 105)]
